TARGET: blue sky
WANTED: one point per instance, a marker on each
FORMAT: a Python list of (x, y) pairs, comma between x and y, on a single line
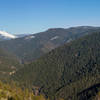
[(31, 16)]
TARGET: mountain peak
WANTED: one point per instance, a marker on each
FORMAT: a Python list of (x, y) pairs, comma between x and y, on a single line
[(7, 35)]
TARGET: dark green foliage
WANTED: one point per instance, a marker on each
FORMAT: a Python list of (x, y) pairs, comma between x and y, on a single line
[(65, 71)]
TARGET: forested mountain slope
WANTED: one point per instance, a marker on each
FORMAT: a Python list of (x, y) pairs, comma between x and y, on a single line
[(9, 64), (66, 71), (31, 47)]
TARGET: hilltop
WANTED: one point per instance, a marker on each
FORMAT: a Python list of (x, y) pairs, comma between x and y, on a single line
[(31, 47)]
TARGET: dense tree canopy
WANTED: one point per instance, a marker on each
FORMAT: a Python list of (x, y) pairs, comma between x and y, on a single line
[(65, 71)]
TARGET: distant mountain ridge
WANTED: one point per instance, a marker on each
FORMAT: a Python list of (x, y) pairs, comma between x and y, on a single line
[(33, 46), (6, 36), (22, 35), (61, 63)]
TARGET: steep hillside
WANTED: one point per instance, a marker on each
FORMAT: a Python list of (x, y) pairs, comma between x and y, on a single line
[(9, 64), (65, 71), (6, 36), (31, 47)]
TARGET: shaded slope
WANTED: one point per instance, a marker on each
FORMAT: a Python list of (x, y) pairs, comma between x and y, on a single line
[(8, 64), (77, 61), (31, 47), (89, 92)]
